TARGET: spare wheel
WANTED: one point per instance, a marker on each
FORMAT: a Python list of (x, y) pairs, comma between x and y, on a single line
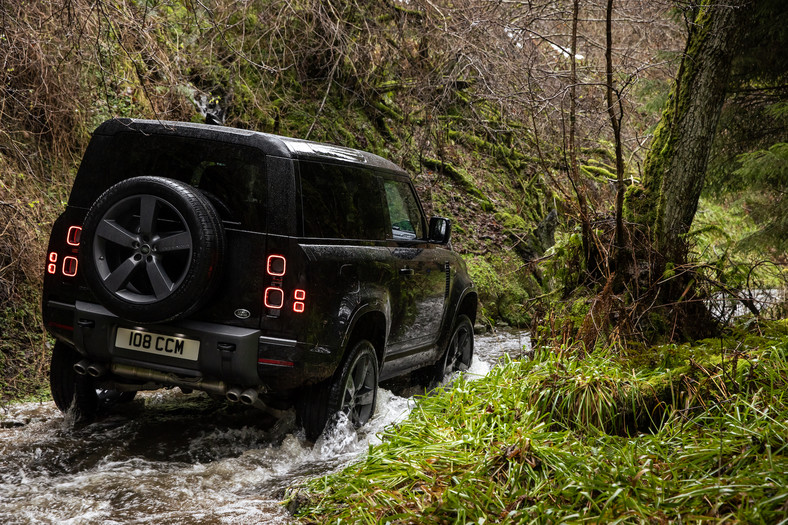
[(152, 249)]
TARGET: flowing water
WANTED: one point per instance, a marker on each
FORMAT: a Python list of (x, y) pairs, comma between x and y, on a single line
[(177, 458)]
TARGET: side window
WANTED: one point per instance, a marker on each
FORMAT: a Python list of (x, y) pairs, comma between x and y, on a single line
[(404, 212), (340, 202)]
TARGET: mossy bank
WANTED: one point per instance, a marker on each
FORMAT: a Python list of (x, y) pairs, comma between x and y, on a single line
[(691, 434)]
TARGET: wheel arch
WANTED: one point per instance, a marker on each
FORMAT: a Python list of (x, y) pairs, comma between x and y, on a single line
[(372, 326), (468, 306)]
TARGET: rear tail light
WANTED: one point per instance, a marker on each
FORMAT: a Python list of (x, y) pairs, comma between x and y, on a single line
[(73, 236), (274, 297), (70, 264), (276, 265), (68, 268), (298, 305), (52, 266)]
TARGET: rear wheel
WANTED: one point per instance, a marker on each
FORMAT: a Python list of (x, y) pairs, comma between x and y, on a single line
[(70, 389), (76, 392), (352, 391), (459, 351)]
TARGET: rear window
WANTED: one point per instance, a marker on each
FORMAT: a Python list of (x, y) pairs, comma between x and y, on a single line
[(341, 202), (230, 175)]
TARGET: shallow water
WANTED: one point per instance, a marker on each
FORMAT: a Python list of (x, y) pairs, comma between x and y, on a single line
[(177, 458)]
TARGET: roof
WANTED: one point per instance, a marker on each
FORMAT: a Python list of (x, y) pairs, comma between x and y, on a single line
[(270, 144)]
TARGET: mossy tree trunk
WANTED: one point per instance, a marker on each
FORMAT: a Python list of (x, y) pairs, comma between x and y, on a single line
[(675, 168)]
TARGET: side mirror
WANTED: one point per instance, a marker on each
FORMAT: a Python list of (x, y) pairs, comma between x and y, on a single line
[(440, 230)]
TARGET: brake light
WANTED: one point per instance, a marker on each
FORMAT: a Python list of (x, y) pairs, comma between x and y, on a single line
[(70, 263), (70, 266), (74, 235), (274, 298), (276, 265)]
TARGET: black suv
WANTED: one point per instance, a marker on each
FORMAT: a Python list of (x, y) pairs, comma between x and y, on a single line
[(268, 270)]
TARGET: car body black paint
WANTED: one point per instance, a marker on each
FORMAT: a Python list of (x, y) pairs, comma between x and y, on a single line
[(391, 285)]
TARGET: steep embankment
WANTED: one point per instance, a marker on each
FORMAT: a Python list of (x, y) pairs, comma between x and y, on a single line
[(378, 77)]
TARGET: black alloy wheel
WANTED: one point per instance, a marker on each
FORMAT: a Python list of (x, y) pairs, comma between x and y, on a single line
[(136, 260), (152, 248), (459, 351), (352, 391), (361, 385)]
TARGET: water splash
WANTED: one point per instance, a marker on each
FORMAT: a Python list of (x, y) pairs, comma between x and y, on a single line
[(180, 458)]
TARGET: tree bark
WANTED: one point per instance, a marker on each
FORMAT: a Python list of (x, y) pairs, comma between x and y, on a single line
[(675, 168), (616, 114), (574, 168)]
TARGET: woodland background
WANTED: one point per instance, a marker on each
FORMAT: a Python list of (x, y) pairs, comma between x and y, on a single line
[(531, 124)]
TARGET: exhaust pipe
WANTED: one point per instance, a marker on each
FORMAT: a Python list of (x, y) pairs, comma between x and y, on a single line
[(155, 376), (81, 367), (234, 394), (249, 396), (97, 370)]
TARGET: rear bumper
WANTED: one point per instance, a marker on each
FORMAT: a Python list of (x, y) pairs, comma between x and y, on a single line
[(235, 356)]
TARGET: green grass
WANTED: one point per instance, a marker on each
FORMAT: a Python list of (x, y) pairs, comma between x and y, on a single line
[(557, 440)]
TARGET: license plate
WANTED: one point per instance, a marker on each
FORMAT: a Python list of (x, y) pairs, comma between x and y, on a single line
[(159, 344)]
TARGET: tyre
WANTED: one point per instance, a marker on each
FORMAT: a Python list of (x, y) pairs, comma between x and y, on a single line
[(352, 391), (115, 397), (69, 388), (459, 351), (152, 249)]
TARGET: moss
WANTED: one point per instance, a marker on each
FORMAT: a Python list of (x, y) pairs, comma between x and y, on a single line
[(597, 172), (511, 222), (389, 111), (459, 176), (502, 287)]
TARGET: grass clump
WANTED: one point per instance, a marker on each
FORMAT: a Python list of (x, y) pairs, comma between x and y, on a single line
[(557, 439)]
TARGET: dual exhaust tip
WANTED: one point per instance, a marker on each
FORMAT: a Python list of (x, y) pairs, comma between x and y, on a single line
[(235, 394), (247, 397), (86, 368)]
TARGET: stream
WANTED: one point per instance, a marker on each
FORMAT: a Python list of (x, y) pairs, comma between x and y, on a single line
[(174, 458)]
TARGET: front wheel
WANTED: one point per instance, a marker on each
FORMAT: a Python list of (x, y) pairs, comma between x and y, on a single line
[(352, 391)]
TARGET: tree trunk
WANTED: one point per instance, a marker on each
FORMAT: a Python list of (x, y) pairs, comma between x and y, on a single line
[(675, 168), (616, 113), (574, 170)]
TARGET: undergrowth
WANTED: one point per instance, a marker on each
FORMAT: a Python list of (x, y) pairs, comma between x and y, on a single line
[(692, 434)]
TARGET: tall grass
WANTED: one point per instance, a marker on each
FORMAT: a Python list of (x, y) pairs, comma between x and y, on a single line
[(554, 440)]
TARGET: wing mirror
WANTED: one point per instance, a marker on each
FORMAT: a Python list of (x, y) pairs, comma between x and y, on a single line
[(440, 230)]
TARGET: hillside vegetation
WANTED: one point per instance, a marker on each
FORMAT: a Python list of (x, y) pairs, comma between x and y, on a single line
[(554, 439), (472, 98)]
